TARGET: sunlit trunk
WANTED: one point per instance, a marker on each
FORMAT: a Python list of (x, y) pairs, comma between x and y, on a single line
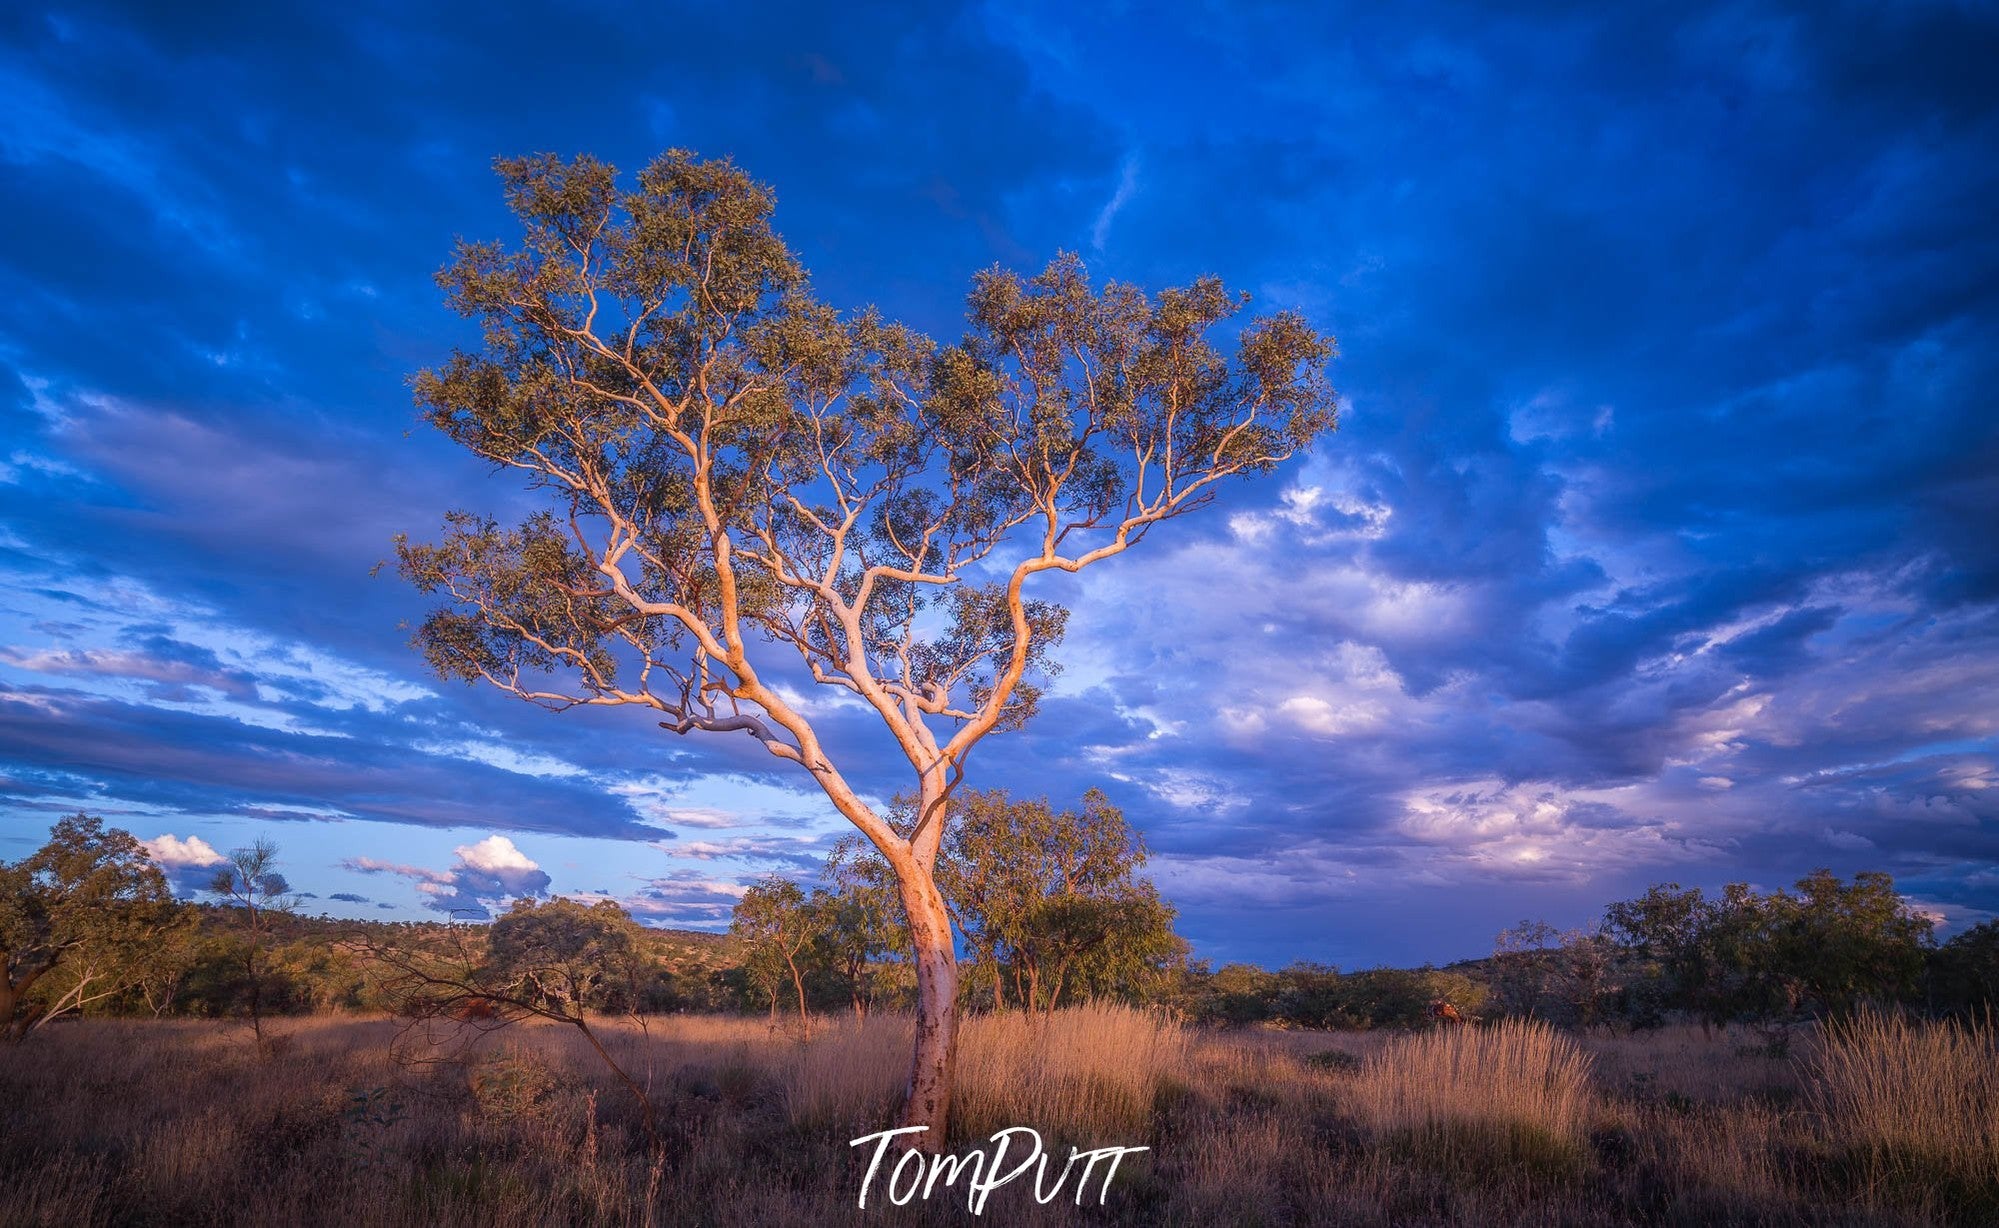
[(935, 951), (929, 1100)]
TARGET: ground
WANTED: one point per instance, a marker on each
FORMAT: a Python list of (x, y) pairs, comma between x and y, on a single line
[(353, 1120)]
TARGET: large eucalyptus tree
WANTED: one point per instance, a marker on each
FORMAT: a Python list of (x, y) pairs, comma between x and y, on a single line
[(746, 486)]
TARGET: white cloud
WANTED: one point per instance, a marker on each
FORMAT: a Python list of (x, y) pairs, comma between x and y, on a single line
[(1315, 715), (487, 873), (495, 855), (506, 758), (172, 851), (1127, 187)]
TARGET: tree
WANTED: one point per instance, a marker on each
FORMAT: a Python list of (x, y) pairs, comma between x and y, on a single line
[(1051, 896), (1840, 945), (862, 924), (1832, 946), (172, 950), (75, 916), (747, 487), (1696, 951), (1964, 972), (252, 883), (556, 960), (1538, 970), (775, 923)]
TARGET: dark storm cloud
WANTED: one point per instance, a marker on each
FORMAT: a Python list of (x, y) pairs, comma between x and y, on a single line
[(90, 747), (1656, 541)]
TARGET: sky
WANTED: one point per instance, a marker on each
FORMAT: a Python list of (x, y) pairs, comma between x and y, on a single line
[(1657, 542)]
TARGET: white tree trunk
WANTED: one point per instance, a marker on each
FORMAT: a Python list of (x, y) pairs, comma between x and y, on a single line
[(930, 1076)]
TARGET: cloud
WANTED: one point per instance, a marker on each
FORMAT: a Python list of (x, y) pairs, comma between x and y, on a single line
[(1127, 187), (170, 850), (190, 864), (496, 860), (793, 854), (1649, 544), (486, 874)]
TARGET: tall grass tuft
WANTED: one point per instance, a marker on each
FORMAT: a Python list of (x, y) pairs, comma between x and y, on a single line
[(1086, 1073), (1920, 1101), (1513, 1091)]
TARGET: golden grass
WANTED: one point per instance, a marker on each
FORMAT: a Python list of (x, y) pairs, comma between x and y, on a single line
[(850, 1074), (1519, 1081), (1913, 1095), (130, 1122), (1086, 1073)]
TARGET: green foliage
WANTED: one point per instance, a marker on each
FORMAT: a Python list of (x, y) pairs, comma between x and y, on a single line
[(1830, 947), (1964, 972), (76, 917), (1237, 994), (252, 884), (1539, 972), (863, 936), (726, 453), (1050, 900), (775, 924), (560, 957)]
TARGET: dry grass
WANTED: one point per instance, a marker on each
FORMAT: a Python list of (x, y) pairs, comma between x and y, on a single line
[(1086, 1073), (1517, 1089), (131, 1123), (1916, 1103)]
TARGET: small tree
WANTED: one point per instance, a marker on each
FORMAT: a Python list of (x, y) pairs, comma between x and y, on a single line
[(75, 919), (1051, 895), (1539, 971), (556, 960), (747, 488), (863, 926), (172, 950), (1840, 944), (1964, 972), (775, 924), (253, 884)]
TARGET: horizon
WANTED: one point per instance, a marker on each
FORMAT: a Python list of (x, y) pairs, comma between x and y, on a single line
[(1647, 550)]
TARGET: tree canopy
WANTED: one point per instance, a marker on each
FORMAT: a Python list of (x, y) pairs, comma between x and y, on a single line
[(75, 918)]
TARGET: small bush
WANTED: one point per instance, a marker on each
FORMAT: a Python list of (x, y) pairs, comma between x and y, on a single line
[(514, 1084)]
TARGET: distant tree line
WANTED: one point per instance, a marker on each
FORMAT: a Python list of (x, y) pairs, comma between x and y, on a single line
[(1049, 906)]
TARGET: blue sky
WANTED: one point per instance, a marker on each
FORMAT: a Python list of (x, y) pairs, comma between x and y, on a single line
[(1657, 542)]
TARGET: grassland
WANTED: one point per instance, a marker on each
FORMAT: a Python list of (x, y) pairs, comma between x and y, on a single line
[(352, 1122)]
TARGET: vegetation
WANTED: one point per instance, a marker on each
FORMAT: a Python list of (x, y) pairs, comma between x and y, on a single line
[(774, 922), (76, 920), (252, 883), (144, 1122), (742, 481), (1346, 1105)]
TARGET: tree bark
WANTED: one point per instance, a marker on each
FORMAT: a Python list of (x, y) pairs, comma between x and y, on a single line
[(13, 998), (798, 983), (930, 1078)]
